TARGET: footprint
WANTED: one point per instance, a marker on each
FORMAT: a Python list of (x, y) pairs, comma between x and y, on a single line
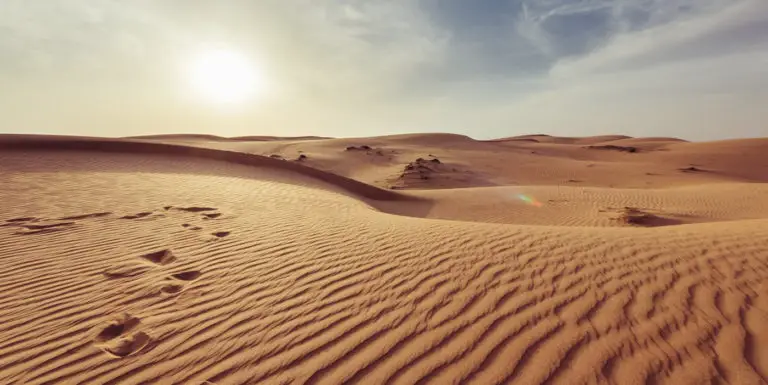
[(195, 209), (86, 216), (137, 216), (118, 327), (23, 219), (177, 287), (187, 275), (172, 288), (117, 338), (162, 257), (127, 345), (43, 227), (221, 234), (34, 232)]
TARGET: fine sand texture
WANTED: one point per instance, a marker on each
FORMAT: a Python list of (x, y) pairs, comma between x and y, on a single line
[(408, 259)]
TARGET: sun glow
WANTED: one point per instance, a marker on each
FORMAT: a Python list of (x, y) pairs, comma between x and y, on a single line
[(226, 77)]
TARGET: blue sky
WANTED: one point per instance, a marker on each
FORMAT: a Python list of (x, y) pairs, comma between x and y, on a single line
[(696, 69)]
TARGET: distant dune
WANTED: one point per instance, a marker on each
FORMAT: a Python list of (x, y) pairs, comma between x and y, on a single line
[(214, 138), (420, 258), (524, 160)]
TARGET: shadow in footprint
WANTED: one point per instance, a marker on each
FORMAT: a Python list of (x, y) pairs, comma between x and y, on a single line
[(187, 275), (34, 232), (137, 216), (162, 257), (173, 288), (177, 287), (42, 229), (23, 219), (221, 234), (118, 327), (194, 209), (211, 216)]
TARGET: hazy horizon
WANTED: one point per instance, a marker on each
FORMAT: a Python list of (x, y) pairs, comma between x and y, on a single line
[(694, 69)]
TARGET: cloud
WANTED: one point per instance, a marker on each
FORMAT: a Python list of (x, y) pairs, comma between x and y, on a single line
[(364, 67), (740, 27)]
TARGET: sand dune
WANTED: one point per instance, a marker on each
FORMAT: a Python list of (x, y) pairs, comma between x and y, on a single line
[(162, 261), (17, 142), (657, 162), (215, 138)]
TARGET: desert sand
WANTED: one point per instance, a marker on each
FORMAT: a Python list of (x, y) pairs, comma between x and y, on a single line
[(425, 258)]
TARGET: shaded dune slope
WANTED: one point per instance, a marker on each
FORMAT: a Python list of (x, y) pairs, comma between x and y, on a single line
[(18, 142)]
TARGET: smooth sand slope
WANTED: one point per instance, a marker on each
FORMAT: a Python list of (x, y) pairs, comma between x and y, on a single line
[(199, 260)]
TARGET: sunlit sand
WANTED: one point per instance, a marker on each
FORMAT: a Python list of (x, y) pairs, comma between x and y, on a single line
[(425, 258)]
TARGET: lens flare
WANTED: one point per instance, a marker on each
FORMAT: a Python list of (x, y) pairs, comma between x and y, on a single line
[(530, 200)]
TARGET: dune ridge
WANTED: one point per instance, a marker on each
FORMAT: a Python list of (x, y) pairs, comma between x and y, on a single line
[(123, 146), (216, 138), (130, 262)]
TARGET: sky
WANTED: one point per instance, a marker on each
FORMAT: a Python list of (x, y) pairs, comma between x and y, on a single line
[(694, 69)]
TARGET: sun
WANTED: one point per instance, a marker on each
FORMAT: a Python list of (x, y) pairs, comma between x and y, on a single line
[(226, 77)]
